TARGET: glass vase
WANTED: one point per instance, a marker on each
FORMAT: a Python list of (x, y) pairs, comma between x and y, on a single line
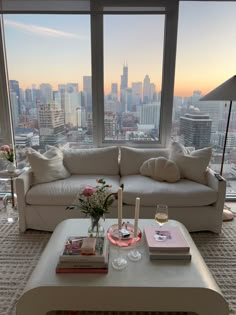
[(11, 167), (96, 229)]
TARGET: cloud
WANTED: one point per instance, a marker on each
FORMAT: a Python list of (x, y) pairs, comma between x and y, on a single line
[(42, 31)]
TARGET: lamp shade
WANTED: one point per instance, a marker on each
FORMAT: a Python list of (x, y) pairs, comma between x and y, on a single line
[(224, 92)]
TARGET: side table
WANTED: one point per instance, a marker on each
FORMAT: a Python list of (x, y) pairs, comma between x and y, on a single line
[(10, 176)]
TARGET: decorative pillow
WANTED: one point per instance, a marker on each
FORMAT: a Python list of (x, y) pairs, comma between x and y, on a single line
[(161, 169), (47, 167), (192, 165)]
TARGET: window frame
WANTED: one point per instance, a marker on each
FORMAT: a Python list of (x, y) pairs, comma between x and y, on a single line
[(96, 11)]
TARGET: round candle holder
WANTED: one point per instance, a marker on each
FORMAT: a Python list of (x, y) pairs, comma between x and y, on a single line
[(113, 235)]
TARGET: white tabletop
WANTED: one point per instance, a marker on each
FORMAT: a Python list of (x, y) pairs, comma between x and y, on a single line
[(137, 285)]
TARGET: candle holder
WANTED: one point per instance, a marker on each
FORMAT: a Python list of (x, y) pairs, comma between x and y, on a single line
[(127, 239)]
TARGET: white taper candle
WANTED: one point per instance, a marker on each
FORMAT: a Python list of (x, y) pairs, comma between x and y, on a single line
[(120, 208), (136, 216)]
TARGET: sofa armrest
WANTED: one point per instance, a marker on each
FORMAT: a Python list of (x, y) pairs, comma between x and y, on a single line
[(219, 186), (23, 184)]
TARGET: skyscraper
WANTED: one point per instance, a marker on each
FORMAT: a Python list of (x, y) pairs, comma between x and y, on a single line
[(51, 124), (87, 90), (114, 91), (196, 130), (124, 84), (146, 89), (15, 88)]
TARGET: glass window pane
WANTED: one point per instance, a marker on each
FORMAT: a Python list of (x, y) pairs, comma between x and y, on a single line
[(205, 59), (133, 55), (49, 67)]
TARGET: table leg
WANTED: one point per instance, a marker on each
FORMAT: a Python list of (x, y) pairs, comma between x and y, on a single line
[(12, 193)]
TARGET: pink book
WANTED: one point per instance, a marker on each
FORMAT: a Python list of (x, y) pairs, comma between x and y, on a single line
[(173, 239)]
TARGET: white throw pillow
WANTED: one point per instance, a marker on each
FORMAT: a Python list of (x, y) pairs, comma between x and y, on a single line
[(47, 167), (161, 169), (192, 165)]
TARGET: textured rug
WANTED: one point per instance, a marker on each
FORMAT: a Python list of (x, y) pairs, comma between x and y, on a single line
[(19, 254)]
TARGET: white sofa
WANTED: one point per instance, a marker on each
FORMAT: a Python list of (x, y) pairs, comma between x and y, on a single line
[(42, 206)]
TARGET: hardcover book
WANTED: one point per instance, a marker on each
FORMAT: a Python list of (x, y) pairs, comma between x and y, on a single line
[(174, 239), (73, 250), (167, 255), (81, 270)]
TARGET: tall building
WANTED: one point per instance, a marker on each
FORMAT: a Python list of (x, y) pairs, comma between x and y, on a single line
[(114, 91), (137, 89), (146, 89), (87, 90), (45, 93), (15, 88), (123, 84), (196, 130), (51, 124)]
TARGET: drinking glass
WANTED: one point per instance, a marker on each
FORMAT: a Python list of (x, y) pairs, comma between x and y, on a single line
[(119, 263), (134, 254), (161, 217)]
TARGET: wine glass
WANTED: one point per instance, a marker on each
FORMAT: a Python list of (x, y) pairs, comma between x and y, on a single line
[(119, 263), (134, 254), (161, 217)]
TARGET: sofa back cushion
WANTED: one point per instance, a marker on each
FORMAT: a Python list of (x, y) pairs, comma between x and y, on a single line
[(131, 158), (96, 161)]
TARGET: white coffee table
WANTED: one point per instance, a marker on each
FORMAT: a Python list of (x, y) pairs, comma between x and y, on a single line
[(143, 286)]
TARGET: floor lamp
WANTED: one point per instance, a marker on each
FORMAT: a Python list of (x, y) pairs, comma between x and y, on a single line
[(224, 92)]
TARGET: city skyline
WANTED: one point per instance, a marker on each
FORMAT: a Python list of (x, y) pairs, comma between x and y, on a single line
[(56, 49)]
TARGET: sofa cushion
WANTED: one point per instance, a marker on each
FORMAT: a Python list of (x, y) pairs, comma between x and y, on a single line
[(192, 165), (47, 167), (160, 169), (132, 158), (63, 192), (92, 161), (184, 193)]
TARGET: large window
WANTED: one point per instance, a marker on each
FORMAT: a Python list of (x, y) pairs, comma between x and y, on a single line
[(205, 58), (133, 59), (49, 69)]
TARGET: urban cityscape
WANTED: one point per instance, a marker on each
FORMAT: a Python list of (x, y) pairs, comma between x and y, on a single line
[(44, 116)]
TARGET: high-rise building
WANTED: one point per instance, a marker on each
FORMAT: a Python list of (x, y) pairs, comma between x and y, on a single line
[(123, 84), (146, 89), (196, 130), (137, 89), (15, 88), (114, 91), (87, 90), (51, 124), (45, 93)]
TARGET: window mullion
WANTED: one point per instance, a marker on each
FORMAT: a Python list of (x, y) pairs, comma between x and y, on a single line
[(97, 77), (5, 117), (168, 78)]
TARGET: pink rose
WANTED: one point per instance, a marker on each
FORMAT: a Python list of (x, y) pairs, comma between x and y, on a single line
[(5, 148), (88, 191)]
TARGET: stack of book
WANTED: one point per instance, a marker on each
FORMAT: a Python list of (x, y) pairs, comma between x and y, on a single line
[(172, 246), (84, 254)]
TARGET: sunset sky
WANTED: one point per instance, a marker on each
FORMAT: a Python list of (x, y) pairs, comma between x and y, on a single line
[(56, 49)]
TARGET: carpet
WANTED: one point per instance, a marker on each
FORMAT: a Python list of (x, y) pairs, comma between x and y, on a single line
[(19, 254)]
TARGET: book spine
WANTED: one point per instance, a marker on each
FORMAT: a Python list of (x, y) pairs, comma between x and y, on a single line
[(81, 265), (81, 259), (169, 250), (170, 257), (83, 270)]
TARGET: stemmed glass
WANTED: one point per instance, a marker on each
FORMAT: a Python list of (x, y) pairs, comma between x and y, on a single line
[(119, 263), (161, 217), (134, 254)]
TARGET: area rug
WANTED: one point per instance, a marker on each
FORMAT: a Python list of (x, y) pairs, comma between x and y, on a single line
[(19, 254)]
